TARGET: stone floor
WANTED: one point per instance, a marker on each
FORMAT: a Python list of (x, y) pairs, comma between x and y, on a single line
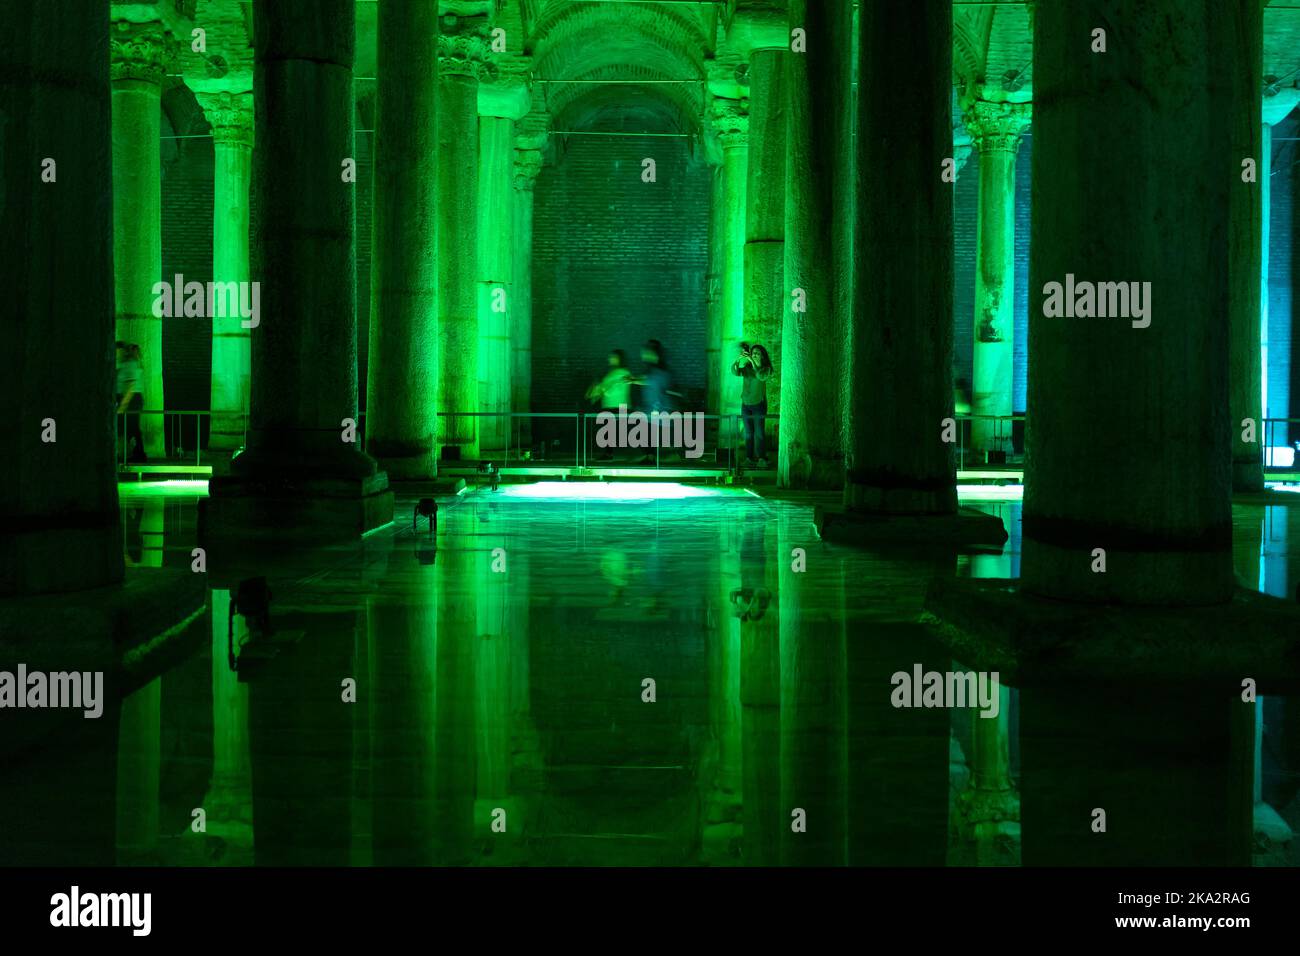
[(584, 674)]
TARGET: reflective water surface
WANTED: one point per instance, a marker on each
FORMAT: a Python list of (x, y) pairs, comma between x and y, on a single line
[(686, 681)]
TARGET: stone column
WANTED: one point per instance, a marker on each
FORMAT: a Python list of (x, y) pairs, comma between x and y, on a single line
[(1128, 440), (499, 106), (302, 476), (816, 303), (402, 385), (461, 52), (59, 526), (1245, 252), (900, 341), (138, 52), (231, 118), (528, 163), (764, 263), (995, 129), (731, 121)]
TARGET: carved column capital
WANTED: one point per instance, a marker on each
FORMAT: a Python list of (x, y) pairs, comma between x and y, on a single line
[(463, 48), (528, 164), (231, 117), (730, 121), (139, 51), (996, 126)]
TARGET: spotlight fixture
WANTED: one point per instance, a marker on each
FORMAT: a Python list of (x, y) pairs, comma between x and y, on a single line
[(426, 508)]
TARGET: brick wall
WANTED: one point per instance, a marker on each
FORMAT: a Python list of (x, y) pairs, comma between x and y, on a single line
[(617, 261)]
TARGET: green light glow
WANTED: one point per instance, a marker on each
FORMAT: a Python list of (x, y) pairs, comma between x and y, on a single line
[(607, 491), (175, 488)]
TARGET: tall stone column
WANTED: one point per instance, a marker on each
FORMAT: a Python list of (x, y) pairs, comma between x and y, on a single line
[(731, 121), (815, 305), (1245, 252), (303, 476), (231, 118), (995, 129), (1128, 438), (500, 105), (900, 342), (402, 386), (138, 53), (59, 526), (765, 298), (461, 52), (528, 163)]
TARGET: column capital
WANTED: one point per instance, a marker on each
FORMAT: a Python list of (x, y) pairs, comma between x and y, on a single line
[(231, 117), (139, 51), (996, 125), (528, 164), (463, 48), (730, 120)]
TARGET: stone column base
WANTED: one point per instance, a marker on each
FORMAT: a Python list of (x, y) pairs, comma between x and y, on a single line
[(966, 527), (291, 511)]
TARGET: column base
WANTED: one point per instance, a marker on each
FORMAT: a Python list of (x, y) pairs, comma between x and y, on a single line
[(293, 511), (1247, 477), (966, 526), (993, 624)]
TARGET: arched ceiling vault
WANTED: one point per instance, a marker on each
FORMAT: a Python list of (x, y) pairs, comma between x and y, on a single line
[(589, 56)]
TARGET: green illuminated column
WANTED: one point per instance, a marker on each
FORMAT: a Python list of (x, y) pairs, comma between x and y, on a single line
[(764, 264), (528, 163), (731, 120), (461, 52), (900, 348), (402, 383), (816, 302), (1245, 256), (138, 52), (1128, 441), (59, 525), (231, 118), (303, 473), (995, 129), (496, 212)]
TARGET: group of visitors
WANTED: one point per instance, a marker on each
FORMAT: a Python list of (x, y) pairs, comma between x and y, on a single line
[(613, 391)]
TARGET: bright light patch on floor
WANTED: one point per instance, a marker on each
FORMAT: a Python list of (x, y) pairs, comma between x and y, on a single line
[(1275, 486), (178, 488), (990, 492), (610, 491)]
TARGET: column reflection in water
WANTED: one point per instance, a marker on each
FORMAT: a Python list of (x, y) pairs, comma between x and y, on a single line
[(722, 787), (500, 576), (301, 734), (402, 698), (897, 758), (986, 812), (229, 800), (760, 690), (812, 742)]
